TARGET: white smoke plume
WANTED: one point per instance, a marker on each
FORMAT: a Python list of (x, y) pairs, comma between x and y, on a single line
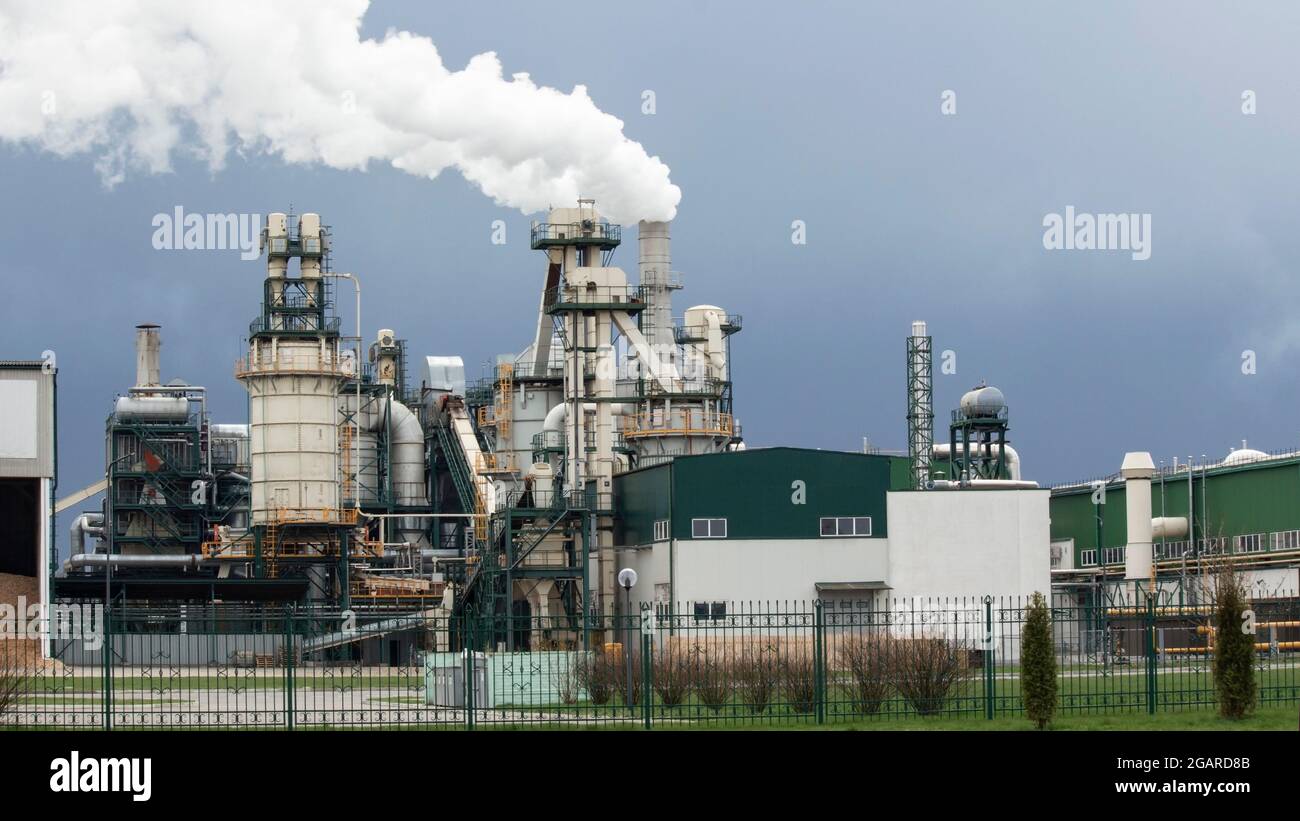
[(132, 82)]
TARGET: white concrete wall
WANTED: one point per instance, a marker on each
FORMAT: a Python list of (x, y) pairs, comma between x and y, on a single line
[(736, 570), (969, 542)]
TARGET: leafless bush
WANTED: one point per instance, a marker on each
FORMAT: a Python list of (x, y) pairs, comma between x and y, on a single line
[(927, 669), (620, 678), (757, 677), (598, 675), (672, 676), (798, 680), (13, 674), (568, 681), (867, 661), (711, 678)]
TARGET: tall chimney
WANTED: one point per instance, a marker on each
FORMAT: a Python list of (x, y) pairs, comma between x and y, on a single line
[(654, 268), (147, 345)]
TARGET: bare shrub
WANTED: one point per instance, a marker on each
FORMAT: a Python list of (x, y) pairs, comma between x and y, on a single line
[(598, 675), (672, 676), (711, 676), (927, 669), (757, 677), (620, 678), (798, 679), (13, 673), (568, 681), (867, 660)]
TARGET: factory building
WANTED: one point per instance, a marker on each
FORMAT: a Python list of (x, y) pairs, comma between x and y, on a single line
[(27, 477), (1188, 517), (781, 523), (606, 440)]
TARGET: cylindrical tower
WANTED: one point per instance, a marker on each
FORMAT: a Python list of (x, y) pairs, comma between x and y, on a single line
[(292, 373)]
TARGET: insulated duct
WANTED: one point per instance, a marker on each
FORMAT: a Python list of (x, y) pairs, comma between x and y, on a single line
[(942, 450)]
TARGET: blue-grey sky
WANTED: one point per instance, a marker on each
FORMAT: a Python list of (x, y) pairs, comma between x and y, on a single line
[(769, 113)]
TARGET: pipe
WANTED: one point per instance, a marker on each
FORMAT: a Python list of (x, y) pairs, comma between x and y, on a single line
[(406, 454), (943, 450), (152, 408), (982, 484), (101, 560), (557, 415), (1169, 527), (90, 522)]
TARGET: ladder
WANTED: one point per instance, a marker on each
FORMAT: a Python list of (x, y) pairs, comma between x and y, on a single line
[(270, 546)]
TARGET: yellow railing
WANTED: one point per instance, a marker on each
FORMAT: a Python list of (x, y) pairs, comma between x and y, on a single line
[(693, 424)]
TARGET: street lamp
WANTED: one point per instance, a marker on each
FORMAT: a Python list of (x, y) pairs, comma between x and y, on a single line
[(627, 580)]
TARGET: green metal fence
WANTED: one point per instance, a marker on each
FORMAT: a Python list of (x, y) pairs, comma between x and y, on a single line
[(709, 664)]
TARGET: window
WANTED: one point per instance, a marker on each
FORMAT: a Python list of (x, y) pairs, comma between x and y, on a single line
[(1088, 558), (1250, 543), (1113, 555), (1172, 550), (661, 530), (708, 528), (846, 526), (1287, 540), (1212, 547), (705, 611)]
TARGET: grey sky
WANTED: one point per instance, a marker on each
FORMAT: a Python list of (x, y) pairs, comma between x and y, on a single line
[(828, 113)]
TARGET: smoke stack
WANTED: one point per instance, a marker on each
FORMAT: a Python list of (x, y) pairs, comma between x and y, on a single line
[(148, 342), (1137, 471), (654, 268), (920, 404)]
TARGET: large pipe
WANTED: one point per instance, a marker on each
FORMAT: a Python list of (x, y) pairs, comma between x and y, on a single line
[(87, 523), (942, 450), (152, 408), (557, 415), (1137, 471), (982, 484), (100, 560), (1169, 527), (147, 361)]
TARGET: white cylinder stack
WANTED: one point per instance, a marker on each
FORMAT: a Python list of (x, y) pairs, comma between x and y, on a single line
[(1137, 471), (293, 388)]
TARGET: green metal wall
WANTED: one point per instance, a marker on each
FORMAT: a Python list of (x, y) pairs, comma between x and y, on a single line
[(753, 490), (641, 498), (1235, 501)]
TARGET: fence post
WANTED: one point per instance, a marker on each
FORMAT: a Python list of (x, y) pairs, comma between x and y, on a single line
[(107, 653), (467, 648), (990, 681), (289, 652), (1151, 655), (819, 668), (647, 663)]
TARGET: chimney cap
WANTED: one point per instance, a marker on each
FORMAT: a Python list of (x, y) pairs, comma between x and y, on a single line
[(1137, 465)]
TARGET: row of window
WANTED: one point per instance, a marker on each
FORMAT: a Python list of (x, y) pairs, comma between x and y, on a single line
[(1246, 543), (831, 527)]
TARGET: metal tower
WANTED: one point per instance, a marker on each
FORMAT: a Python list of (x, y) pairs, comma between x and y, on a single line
[(920, 404)]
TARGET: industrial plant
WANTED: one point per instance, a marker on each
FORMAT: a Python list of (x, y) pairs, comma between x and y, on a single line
[(382, 482)]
